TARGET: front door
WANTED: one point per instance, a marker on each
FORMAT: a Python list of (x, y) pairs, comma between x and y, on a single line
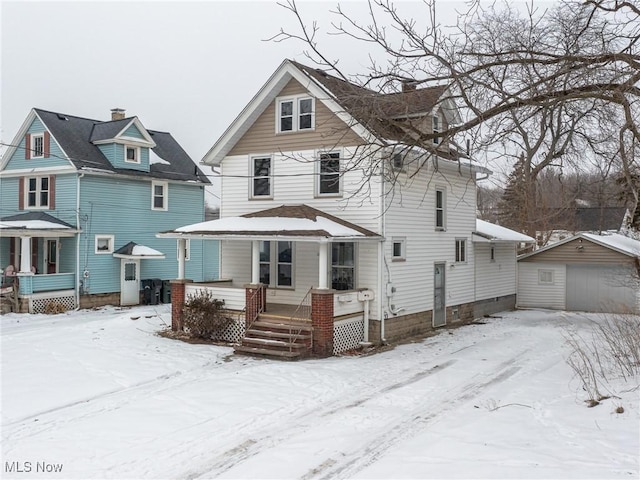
[(439, 310), (129, 282), (51, 256)]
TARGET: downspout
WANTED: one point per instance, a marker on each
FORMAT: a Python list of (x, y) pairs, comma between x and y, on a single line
[(383, 197), (78, 240)]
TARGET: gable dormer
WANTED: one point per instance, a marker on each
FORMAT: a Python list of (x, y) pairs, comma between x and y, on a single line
[(123, 141)]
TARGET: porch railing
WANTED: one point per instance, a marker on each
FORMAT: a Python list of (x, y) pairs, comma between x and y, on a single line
[(302, 311), (257, 298), (52, 282)]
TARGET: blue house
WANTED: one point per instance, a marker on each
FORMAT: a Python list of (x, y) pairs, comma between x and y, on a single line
[(80, 203)]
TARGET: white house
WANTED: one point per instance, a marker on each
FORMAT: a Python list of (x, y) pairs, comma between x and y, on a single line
[(328, 212)]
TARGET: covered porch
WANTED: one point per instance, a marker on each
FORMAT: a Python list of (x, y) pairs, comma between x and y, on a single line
[(38, 263), (294, 265)]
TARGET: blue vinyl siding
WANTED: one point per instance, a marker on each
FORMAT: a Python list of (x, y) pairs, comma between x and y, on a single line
[(128, 216), (115, 153), (55, 159), (4, 252), (133, 132), (109, 151)]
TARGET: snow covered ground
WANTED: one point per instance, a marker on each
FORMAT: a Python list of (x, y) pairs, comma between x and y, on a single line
[(97, 394)]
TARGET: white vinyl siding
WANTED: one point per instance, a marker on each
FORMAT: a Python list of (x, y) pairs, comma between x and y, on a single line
[(495, 278), (533, 294)]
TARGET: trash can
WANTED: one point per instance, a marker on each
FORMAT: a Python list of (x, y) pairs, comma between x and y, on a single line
[(166, 291), (151, 290)]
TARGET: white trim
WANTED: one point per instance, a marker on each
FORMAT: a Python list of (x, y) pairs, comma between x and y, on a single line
[(148, 141), (258, 104), (461, 254), (42, 171), (32, 147), (187, 249), (252, 195), (138, 154), (443, 227), (295, 113), (318, 173), (403, 248), (110, 250), (165, 195), (38, 192), (147, 177)]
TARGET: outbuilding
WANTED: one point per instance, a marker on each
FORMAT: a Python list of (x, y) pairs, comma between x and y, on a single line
[(586, 272)]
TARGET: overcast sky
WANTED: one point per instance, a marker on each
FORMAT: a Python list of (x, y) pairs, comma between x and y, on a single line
[(183, 67)]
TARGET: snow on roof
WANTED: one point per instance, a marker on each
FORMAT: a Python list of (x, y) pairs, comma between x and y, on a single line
[(496, 232), (283, 225), (144, 251), (32, 225), (155, 159), (616, 241)]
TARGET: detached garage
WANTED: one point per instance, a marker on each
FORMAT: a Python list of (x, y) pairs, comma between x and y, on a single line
[(587, 272)]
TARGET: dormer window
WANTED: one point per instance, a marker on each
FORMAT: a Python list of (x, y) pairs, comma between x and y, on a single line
[(436, 128), (132, 154), (295, 114)]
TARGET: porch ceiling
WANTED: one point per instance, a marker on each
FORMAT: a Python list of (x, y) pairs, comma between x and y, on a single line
[(298, 223)]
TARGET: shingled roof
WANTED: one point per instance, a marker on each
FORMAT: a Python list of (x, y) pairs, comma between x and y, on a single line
[(75, 134)]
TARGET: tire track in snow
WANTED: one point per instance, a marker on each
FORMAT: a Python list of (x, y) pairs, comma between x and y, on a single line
[(293, 426)]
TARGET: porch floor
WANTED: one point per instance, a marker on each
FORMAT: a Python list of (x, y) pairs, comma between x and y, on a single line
[(285, 311)]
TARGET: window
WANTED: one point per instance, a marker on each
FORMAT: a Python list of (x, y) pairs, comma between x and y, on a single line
[(440, 209), (277, 273), (343, 266), (132, 154), (37, 145), (295, 114), (399, 245), (104, 244), (397, 161), (461, 250), (187, 249), (37, 192), (329, 174), (545, 277), (261, 177), (129, 272), (436, 128), (159, 196), (493, 253)]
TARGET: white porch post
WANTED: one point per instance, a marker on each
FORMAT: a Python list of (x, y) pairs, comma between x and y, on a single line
[(25, 254), (182, 248), (323, 260), (255, 262)]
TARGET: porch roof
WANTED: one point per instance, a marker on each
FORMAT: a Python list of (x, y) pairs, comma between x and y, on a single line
[(133, 251), (288, 222), (35, 224), (489, 232)]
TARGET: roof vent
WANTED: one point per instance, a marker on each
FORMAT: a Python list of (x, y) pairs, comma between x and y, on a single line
[(61, 117), (117, 113)]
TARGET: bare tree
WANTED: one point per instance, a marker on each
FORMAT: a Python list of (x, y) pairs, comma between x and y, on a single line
[(551, 85)]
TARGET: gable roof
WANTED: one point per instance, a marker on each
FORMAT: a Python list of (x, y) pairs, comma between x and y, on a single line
[(619, 243), (75, 134), (372, 115), (295, 222)]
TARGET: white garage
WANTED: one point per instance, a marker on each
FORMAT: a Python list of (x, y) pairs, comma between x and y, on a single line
[(587, 272)]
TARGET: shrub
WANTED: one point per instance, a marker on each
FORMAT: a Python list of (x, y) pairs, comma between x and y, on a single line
[(204, 316), (54, 307)]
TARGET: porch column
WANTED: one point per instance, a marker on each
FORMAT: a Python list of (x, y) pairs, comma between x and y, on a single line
[(322, 322), (323, 255), (255, 262), (25, 254), (178, 297), (182, 249)]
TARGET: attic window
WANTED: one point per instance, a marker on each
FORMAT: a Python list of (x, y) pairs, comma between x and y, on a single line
[(436, 128), (37, 145), (132, 154), (295, 114)]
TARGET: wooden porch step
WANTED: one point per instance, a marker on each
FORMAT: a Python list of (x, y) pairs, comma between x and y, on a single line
[(280, 335), (273, 325), (270, 343), (268, 352)]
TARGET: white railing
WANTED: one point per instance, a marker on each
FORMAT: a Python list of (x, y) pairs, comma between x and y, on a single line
[(234, 297)]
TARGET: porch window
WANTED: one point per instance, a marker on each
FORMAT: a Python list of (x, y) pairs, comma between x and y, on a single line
[(37, 192), (276, 264), (343, 266), (261, 177), (329, 174)]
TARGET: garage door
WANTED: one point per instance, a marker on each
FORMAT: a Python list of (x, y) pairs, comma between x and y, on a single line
[(597, 288)]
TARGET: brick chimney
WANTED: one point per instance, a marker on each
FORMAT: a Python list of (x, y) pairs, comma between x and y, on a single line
[(117, 113)]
